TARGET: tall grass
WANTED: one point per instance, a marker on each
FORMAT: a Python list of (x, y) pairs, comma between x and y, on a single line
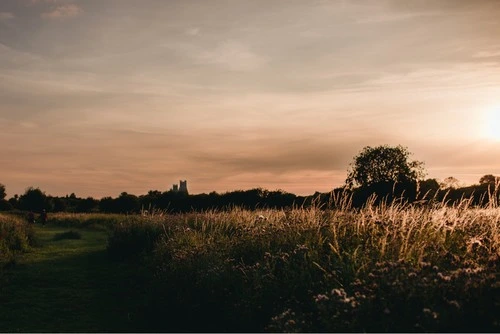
[(99, 221), (16, 236), (384, 267)]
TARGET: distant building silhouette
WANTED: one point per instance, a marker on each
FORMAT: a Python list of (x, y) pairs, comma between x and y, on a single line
[(181, 187)]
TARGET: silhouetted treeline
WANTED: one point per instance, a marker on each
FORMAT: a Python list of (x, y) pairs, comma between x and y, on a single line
[(35, 199), (427, 191)]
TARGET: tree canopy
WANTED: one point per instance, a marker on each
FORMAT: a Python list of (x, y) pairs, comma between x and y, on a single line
[(384, 164), (450, 183), (2, 192), (33, 199), (489, 179)]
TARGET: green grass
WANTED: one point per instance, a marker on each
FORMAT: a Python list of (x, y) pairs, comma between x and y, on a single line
[(69, 285), (94, 221), (68, 235)]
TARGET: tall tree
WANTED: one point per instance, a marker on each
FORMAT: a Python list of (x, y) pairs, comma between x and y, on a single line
[(33, 199), (4, 204), (488, 179), (3, 194), (450, 183), (384, 164)]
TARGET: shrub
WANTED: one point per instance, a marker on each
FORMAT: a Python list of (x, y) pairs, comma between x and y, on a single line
[(15, 236)]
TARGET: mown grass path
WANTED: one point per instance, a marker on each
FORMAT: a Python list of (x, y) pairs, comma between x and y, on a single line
[(70, 285)]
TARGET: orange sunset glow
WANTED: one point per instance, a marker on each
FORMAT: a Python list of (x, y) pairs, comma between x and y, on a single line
[(98, 97)]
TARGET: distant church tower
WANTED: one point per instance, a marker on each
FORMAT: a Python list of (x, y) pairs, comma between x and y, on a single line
[(183, 186), (175, 188)]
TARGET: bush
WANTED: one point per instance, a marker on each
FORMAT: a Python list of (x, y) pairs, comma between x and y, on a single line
[(15, 236), (5, 205)]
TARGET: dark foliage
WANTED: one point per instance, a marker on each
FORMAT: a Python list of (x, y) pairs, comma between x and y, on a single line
[(400, 297), (383, 165), (427, 191), (133, 237), (2, 192), (5, 205), (34, 200)]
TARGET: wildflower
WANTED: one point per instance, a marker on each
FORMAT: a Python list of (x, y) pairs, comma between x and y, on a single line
[(319, 298), (339, 293), (425, 264), (301, 248), (357, 282), (359, 295), (428, 312), (260, 218), (444, 278), (454, 303)]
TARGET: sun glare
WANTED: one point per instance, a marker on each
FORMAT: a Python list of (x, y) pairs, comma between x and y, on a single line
[(492, 124)]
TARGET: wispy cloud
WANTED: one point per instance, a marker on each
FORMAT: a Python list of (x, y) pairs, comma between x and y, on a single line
[(460, 76), (487, 54), (29, 125), (393, 17), (12, 57), (232, 55), (4, 16), (192, 31), (63, 11), (35, 2), (297, 89)]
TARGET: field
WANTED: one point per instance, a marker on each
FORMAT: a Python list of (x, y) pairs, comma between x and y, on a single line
[(66, 283), (380, 268)]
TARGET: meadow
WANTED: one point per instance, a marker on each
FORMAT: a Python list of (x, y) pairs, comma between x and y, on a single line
[(384, 267)]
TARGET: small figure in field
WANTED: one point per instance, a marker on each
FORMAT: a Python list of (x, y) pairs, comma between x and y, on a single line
[(43, 217), (31, 217)]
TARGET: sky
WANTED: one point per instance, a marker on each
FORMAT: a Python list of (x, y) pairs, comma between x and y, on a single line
[(98, 97)]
